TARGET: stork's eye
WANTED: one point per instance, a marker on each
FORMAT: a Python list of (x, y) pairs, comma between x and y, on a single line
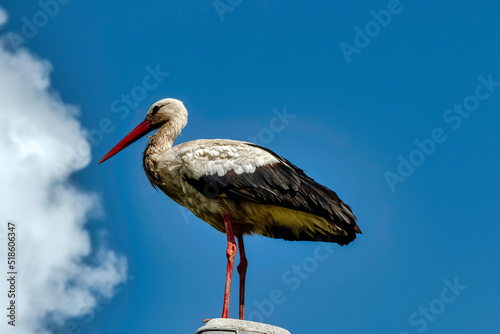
[(155, 109)]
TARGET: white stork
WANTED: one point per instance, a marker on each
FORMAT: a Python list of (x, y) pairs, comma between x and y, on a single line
[(238, 188)]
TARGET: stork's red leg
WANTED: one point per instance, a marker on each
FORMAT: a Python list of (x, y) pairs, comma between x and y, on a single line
[(242, 270), (231, 254)]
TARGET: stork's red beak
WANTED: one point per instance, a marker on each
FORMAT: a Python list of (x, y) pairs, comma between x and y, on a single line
[(140, 131)]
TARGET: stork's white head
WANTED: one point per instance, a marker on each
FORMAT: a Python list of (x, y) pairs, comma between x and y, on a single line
[(168, 112)]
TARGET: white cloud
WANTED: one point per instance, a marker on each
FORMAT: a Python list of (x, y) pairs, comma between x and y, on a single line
[(37, 129), (3, 16)]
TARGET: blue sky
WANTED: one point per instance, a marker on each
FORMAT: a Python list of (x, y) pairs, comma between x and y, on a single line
[(352, 119)]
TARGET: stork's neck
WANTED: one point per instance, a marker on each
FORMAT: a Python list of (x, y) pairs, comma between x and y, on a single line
[(164, 138)]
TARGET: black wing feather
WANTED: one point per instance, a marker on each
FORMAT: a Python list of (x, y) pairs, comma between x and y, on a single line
[(283, 184)]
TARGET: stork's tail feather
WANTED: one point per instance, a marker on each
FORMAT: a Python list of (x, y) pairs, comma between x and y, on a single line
[(339, 214), (352, 218), (357, 229), (284, 232), (342, 228), (343, 222)]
